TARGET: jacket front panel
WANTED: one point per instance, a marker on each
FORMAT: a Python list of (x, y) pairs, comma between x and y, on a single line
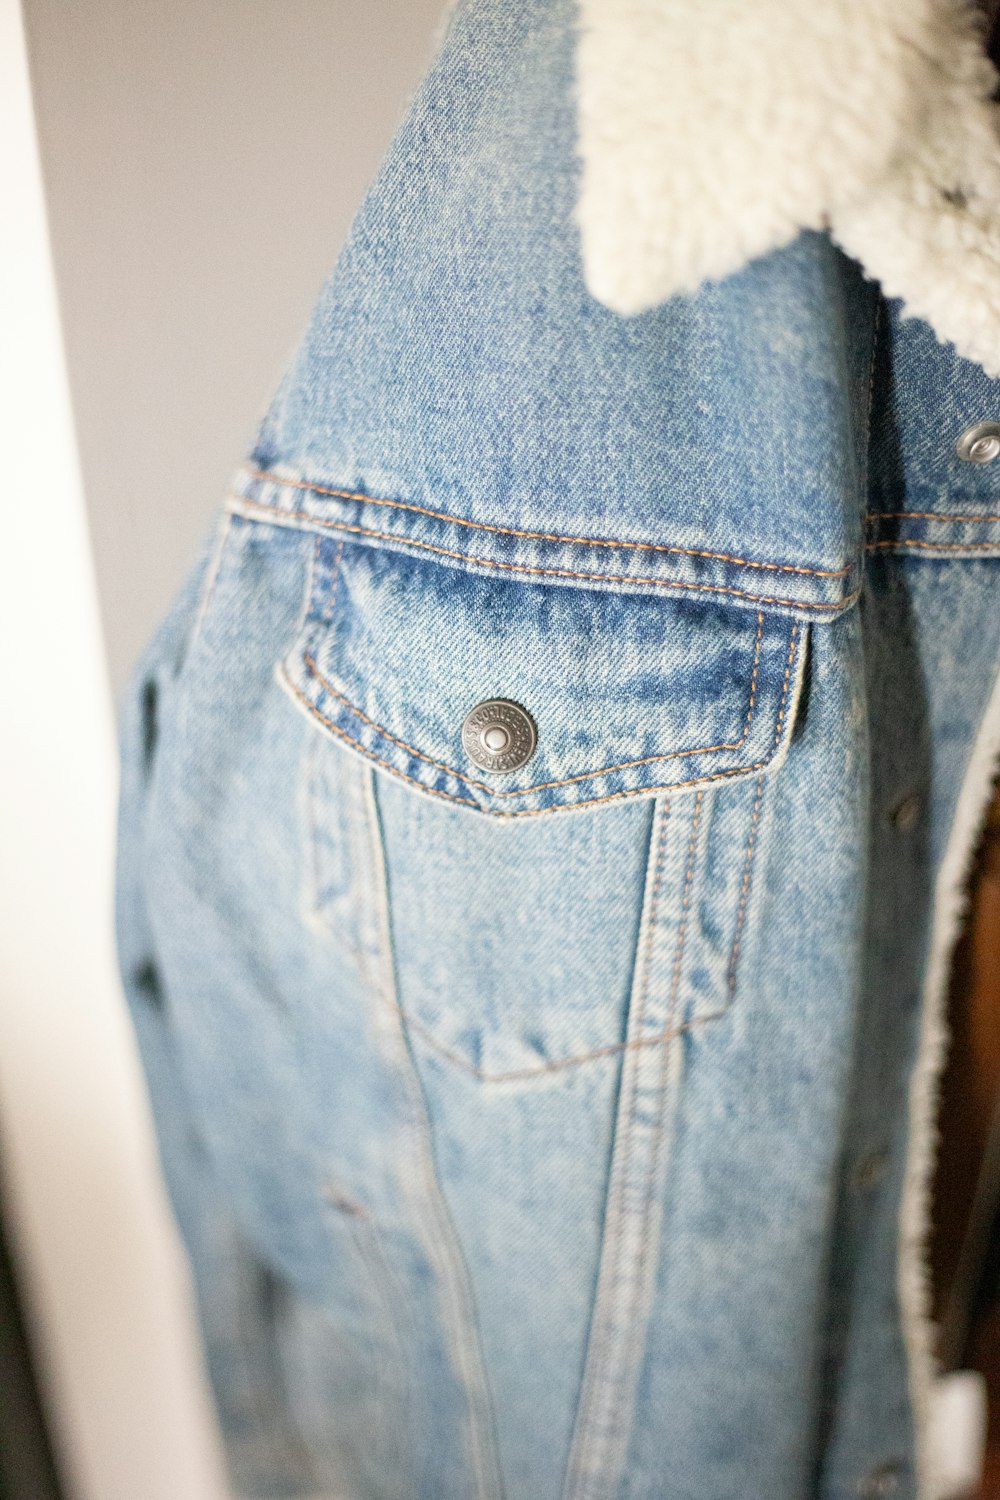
[(549, 1134)]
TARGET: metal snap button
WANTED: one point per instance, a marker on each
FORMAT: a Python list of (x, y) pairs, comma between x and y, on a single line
[(499, 735), (979, 444)]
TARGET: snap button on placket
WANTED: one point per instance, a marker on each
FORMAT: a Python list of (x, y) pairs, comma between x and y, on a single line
[(499, 735), (980, 443)]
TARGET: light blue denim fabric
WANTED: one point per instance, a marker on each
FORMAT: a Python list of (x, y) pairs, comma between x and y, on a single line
[(542, 1135)]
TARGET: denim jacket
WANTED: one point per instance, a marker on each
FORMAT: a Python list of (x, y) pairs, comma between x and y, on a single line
[(544, 815)]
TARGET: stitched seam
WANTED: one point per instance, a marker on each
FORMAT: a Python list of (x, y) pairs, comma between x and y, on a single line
[(611, 1049), (538, 812), (566, 780), (542, 811), (784, 687), (489, 562), (628, 1311), (734, 956), (308, 771), (661, 1102), (596, 1347), (518, 1075), (871, 396), (542, 536), (332, 605), (682, 927), (378, 969), (875, 516), (317, 907), (449, 1265), (902, 542)]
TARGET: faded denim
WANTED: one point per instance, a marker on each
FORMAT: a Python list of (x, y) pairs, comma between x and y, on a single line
[(544, 1135)]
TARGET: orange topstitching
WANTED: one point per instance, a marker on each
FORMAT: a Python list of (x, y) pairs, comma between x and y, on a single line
[(247, 507), (901, 543), (538, 536), (566, 780), (537, 812)]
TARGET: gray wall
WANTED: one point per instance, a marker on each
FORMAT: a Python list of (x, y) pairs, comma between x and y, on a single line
[(203, 160)]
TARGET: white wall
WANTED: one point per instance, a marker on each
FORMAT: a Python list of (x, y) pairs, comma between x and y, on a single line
[(201, 163), (203, 160)]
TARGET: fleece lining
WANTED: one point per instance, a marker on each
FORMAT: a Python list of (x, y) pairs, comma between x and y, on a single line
[(711, 134)]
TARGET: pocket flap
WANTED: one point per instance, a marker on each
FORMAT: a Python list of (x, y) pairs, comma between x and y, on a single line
[(628, 694)]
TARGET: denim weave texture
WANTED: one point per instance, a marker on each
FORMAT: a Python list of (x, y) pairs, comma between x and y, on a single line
[(520, 1126)]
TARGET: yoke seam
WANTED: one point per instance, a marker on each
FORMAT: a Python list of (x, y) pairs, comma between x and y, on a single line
[(541, 536), (489, 562)]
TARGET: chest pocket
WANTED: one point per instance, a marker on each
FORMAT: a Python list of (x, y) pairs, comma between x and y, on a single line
[(614, 696), (517, 930)]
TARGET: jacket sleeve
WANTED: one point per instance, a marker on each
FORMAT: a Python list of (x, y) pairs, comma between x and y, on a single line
[(238, 1296)]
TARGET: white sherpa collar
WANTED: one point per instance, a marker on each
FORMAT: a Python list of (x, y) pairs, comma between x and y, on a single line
[(711, 133)]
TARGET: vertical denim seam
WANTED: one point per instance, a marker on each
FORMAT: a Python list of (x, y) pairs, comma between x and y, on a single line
[(645, 1246), (748, 857), (315, 908), (614, 1353), (685, 904), (632, 1084), (371, 985), (664, 1057), (440, 1236)]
